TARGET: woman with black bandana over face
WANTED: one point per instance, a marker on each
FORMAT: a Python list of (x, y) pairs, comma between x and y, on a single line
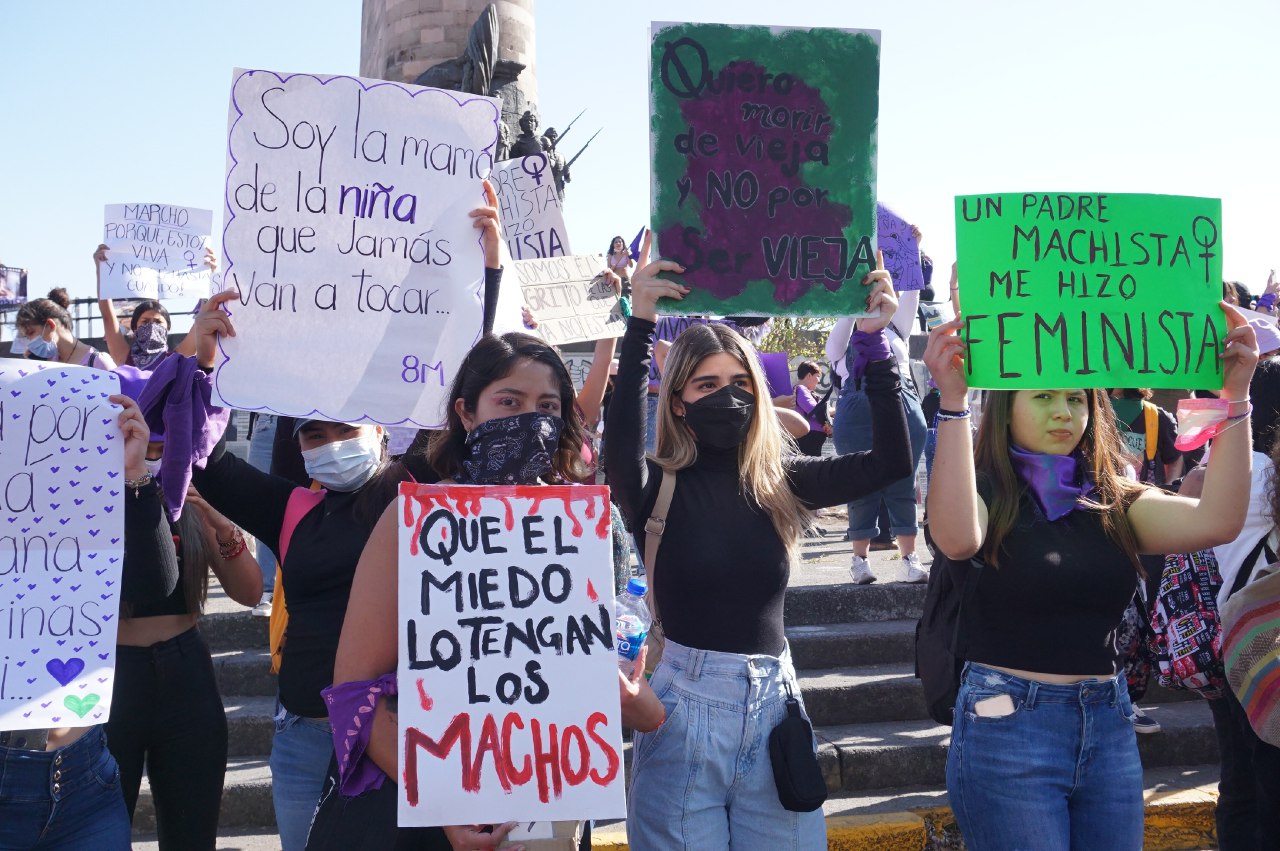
[(741, 501), (511, 421), (150, 325)]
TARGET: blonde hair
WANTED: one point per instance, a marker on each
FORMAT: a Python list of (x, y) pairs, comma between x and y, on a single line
[(764, 479)]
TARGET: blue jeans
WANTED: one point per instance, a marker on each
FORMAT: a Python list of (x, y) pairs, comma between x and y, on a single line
[(703, 781), (300, 752), (1061, 773), (852, 433), (63, 800), (261, 440)]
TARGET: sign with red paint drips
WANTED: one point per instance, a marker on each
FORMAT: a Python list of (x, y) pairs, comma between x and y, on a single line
[(508, 673)]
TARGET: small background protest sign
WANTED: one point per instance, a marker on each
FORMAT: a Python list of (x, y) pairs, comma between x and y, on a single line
[(507, 669), (347, 204), (13, 285), (571, 299), (532, 217), (1091, 290), (61, 543), (763, 142), (896, 240), (155, 251)]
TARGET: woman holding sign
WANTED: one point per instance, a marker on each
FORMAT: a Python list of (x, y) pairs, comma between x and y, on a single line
[(511, 421), (742, 498), (60, 787), (1043, 752)]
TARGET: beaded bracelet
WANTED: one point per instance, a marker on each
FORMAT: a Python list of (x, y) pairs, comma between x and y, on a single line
[(233, 548), (953, 415), (139, 483)]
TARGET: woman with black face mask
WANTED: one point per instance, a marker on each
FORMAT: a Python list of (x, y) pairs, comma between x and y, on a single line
[(511, 421), (742, 499)]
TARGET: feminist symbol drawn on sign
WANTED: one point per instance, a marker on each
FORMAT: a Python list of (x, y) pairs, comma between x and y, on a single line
[(539, 166), (1205, 242)]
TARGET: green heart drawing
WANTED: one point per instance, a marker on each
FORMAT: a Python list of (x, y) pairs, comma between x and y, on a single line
[(80, 705)]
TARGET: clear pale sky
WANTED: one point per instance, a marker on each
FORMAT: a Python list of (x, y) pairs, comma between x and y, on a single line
[(111, 103)]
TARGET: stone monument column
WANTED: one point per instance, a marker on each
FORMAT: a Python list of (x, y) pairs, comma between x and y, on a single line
[(401, 39)]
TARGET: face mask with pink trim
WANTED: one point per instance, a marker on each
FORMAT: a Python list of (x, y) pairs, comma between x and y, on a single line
[(1199, 421)]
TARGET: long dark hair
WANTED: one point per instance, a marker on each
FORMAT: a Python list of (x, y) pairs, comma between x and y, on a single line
[(150, 304), (1102, 453), (492, 359), (612, 241)]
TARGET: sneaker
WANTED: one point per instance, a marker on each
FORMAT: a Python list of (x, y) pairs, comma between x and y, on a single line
[(263, 609), (1144, 723), (914, 574), (861, 571)]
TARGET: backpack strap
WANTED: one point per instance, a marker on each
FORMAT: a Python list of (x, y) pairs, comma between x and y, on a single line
[(301, 501), (1151, 417), (1263, 547), (653, 529)]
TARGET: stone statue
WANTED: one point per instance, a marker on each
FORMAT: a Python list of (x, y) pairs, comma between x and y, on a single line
[(559, 170), (504, 142), (473, 71), (528, 142)]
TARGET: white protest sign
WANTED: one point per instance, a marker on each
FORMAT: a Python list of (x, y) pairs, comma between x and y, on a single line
[(155, 251), (532, 217), (508, 674), (570, 297), (61, 543), (347, 208)]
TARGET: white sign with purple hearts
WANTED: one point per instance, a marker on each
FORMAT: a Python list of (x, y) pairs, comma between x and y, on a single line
[(61, 543)]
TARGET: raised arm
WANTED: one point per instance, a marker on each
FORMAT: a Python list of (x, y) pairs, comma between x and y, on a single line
[(1175, 524), (150, 568), (957, 515), (591, 396), (624, 431)]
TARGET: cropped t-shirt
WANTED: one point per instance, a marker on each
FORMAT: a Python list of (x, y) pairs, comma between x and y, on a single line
[(1055, 601)]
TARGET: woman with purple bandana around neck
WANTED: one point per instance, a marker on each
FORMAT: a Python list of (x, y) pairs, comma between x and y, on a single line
[(1043, 752)]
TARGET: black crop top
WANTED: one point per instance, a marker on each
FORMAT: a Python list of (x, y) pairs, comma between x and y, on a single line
[(1055, 601), (722, 570), (176, 601)]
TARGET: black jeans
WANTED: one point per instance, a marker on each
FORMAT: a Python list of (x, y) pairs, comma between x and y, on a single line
[(1248, 814), (166, 712), (366, 822)]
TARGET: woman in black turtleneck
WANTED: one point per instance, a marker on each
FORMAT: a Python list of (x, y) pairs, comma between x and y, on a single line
[(743, 497)]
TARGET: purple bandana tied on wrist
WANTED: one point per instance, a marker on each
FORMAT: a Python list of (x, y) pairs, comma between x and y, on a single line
[(351, 707), (1056, 481), (867, 348)]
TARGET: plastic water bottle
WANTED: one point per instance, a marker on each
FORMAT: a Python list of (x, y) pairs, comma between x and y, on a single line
[(632, 621)]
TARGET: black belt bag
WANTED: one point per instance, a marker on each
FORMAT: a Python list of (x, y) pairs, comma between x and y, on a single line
[(801, 788)]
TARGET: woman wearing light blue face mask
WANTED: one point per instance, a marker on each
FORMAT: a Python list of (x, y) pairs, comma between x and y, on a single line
[(317, 566), (322, 541), (44, 333)]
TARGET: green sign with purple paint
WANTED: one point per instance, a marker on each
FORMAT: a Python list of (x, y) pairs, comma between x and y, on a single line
[(764, 166)]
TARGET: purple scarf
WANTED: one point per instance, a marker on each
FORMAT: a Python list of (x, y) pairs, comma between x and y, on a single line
[(1055, 480)]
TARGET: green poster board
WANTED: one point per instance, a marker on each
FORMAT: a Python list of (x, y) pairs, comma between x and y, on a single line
[(764, 166), (1091, 290)]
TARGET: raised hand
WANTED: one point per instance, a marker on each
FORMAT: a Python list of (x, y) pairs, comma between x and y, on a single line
[(647, 287), (486, 218), (211, 323), (1239, 355), (881, 297), (944, 356), (136, 435)]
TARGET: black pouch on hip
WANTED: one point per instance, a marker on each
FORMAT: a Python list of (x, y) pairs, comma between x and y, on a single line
[(801, 788)]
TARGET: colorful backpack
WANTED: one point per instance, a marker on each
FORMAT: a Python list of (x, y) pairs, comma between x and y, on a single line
[(1186, 630)]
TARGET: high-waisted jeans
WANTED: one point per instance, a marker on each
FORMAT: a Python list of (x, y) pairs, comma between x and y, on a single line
[(703, 781), (63, 800), (1061, 771)]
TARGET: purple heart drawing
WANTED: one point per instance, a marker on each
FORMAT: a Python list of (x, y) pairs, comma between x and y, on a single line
[(113, 473), (80, 469), (103, 656), (64, 672), (72, 482)]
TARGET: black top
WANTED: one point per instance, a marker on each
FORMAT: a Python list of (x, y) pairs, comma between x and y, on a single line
[(317, 570), (150, 570), (176, 602), (1055, 601), (722, 570)]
